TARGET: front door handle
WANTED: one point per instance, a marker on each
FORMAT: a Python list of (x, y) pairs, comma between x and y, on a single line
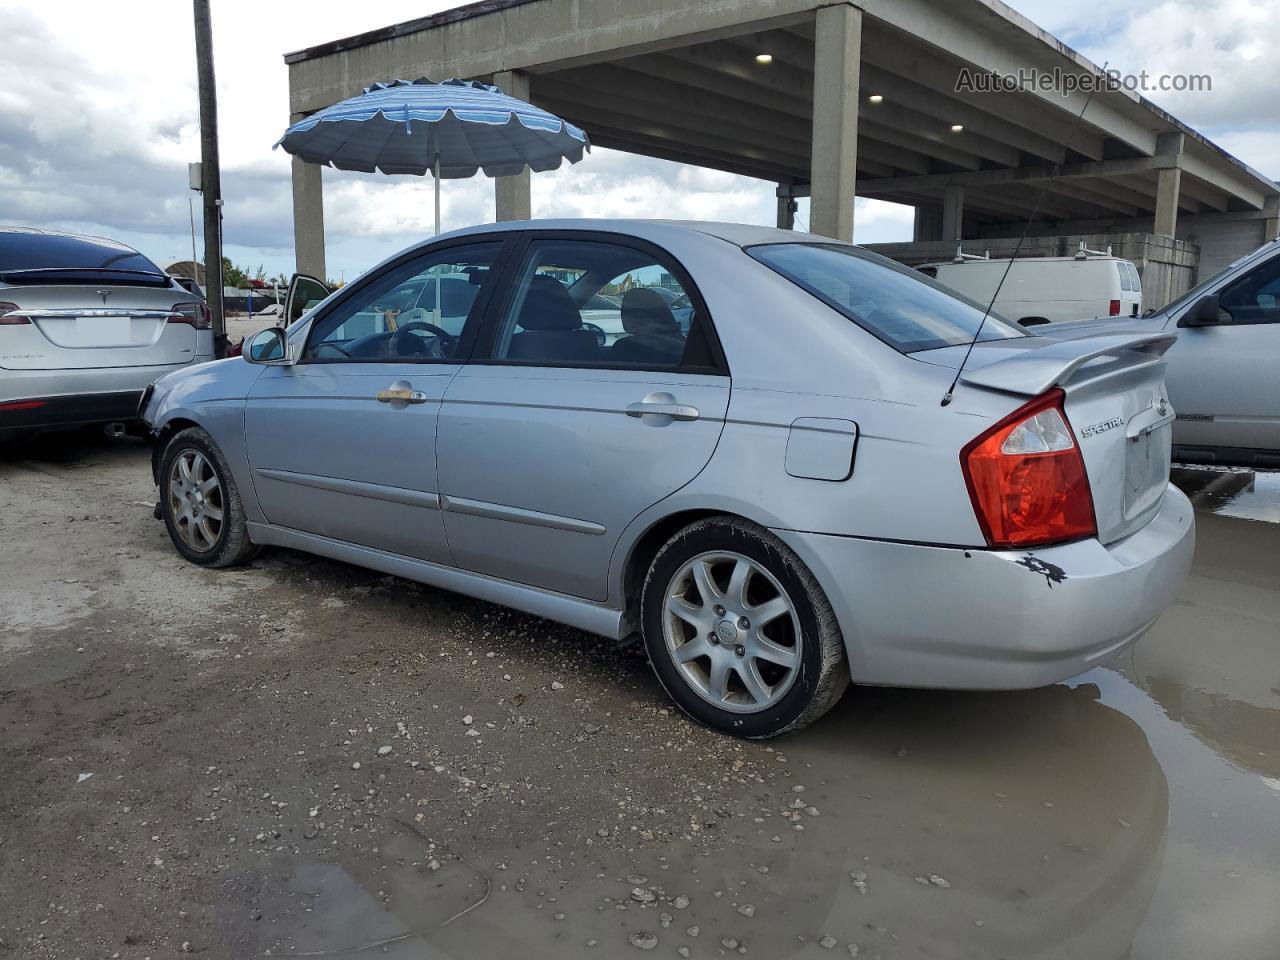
[(662, 405), (401, 392)]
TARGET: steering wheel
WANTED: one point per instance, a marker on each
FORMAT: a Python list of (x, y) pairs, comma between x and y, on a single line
[(441, 349), (595, 331)]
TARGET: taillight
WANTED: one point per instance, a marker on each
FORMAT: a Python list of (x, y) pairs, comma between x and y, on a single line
[(10, 319), (1115, 308), (1027, 480), (195, 313)]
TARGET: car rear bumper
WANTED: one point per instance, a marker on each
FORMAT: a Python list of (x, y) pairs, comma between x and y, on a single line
[(43, 399), (924, 616)]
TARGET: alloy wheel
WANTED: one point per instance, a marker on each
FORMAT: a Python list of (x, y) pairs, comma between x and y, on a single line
[(196, 500), (732, 632)]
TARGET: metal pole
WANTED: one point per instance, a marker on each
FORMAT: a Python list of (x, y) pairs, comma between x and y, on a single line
[(211, 181), (195, 263), (436, 176)]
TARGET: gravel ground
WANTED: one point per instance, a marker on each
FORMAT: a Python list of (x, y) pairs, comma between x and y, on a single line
[(301, 758)]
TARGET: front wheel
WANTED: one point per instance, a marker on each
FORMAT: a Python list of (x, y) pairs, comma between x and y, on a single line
[(200, 503), (739, 632)]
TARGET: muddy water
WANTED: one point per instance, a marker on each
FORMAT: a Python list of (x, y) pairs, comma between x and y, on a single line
[(1131, 812)]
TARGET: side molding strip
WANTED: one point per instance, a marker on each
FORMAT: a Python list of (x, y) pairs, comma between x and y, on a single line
[(497, 511), (584, 614), (374, 491)]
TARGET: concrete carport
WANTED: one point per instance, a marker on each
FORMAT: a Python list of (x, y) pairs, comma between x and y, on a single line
[(828, 100)]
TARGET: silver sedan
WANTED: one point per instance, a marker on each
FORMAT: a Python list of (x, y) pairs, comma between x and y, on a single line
[(770, 491)]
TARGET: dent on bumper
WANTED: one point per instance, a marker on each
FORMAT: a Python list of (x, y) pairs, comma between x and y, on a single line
[(986, 620)]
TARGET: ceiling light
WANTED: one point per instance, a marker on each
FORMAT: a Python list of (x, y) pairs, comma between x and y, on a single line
[(764, 58), (876, 98), (957, 128)]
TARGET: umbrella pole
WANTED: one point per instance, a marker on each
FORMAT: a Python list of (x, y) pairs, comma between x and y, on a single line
[(436, 177), (436, 317)]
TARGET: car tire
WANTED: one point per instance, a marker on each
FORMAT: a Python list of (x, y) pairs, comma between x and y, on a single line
[(752, 680), (200, 503)]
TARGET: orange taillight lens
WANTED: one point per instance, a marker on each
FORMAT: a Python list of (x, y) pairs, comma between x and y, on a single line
[(1027, 479)]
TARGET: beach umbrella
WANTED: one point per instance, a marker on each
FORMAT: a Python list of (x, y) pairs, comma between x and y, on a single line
[(451, 130)]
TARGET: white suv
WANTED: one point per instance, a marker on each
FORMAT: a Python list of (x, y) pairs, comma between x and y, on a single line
[(85, 325)]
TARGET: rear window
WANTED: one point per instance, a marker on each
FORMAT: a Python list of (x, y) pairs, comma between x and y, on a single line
[(1126, 278), (900, 306), (50, 257)]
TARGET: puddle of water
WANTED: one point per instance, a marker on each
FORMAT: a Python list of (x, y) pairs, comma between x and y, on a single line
[(1232, 491)]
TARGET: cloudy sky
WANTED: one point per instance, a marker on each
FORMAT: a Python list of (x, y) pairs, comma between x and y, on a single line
[(98, 121)]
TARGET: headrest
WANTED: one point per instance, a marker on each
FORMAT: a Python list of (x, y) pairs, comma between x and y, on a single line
[(644, 311), (548, 306)]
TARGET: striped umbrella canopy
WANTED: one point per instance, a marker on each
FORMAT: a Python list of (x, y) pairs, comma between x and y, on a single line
[(451, 129)]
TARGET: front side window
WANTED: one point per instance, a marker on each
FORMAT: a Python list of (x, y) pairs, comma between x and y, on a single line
[(589, 303), (892, 302), (413, 312), (1255, 297)]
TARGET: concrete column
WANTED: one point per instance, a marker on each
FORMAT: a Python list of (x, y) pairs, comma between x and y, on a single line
[(836, 59), (953, 213), (513, 193), (1168, 185), (786, 207), (308, 219), (928, 223), (1271, 225)]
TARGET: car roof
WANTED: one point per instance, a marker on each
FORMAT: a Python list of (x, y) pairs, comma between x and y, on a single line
[(740, 234)]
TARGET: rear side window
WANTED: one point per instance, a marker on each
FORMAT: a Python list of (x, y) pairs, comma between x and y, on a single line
[(52, 257), (589, 303), (900, 306)]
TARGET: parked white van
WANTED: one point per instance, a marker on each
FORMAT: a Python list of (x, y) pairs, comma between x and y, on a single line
[(1047, 289)]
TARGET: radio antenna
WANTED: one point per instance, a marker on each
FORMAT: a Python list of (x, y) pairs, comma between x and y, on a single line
[(1044, 190)]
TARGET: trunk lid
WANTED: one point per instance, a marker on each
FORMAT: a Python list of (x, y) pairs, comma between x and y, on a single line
[(1116, 403), (101, 325)]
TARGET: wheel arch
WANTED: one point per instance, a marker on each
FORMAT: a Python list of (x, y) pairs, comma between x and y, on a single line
[(641, 551), (166, 431)]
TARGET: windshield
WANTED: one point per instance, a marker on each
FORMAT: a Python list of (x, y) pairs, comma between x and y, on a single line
[(905, 309)]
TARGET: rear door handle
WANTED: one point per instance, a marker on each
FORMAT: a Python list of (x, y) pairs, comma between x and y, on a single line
[(401, 392), (662, 405)]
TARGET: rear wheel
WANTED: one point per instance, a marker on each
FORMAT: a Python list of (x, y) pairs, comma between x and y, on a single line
[(200, 503), (739, 632)]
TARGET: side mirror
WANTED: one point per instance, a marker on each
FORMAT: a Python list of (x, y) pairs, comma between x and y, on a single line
[(268, 346), (1205, 312)]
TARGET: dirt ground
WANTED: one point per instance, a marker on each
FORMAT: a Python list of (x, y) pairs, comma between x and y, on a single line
[(300, 758)]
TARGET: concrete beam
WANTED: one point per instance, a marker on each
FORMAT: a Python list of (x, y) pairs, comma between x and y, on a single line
[(834, 158), (1105, 205), (527, 37), (948, 110), (308, 219), (891, 53), (684, 133), (1101, 168), (630, 140), (930, 146), (693, 106), (513, 195), (936, 131), (961, 31)]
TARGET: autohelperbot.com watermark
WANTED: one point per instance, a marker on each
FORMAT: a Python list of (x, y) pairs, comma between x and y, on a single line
[(1066, 83)]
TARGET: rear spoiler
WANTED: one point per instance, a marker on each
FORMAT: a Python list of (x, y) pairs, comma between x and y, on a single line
[(1034, 372)]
